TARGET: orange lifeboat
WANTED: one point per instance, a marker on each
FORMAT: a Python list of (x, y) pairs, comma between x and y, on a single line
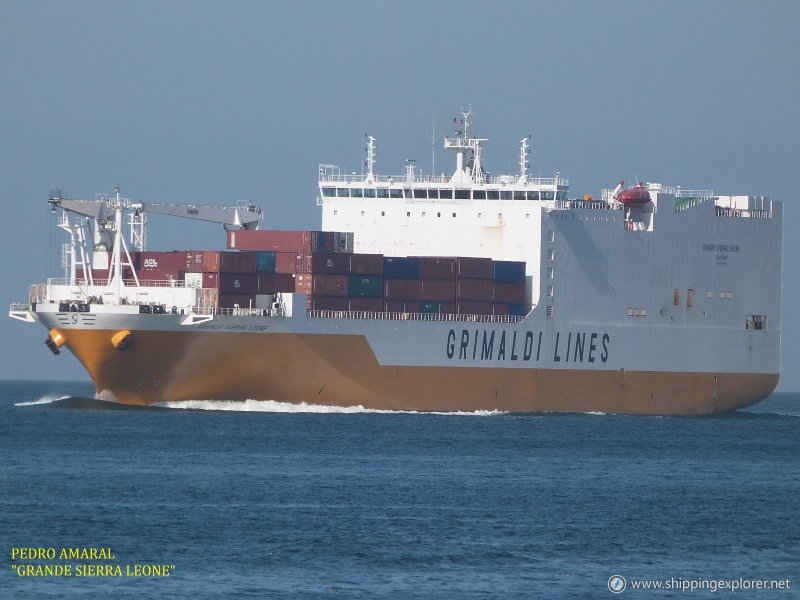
[(635, 196)]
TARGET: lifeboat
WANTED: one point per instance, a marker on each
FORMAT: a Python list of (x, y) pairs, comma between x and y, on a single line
[(635, 196)]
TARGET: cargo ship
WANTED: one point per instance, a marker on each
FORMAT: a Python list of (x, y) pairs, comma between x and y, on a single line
[(459, 291)]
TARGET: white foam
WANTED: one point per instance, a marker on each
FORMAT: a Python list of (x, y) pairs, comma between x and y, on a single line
[(47, 399), (273, 406)]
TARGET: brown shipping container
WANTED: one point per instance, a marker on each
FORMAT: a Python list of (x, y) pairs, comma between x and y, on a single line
[(329, 285), (194, 261), (400, 306), (474, 268), (402, 289), (447, 308), (285, 262), (330, 262), (243, 300), (281, 241), (474, 307), (302, 284), (162, 262), (432, 267), (474, 289), (229, 262), (366, 304), (338, 303), (438, 290), (366, 264), (211, 261), (238, 283), (509, 293), (270, 283), (211, 280)]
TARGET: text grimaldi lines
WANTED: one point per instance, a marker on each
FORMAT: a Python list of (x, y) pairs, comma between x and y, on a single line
[(527, 346)]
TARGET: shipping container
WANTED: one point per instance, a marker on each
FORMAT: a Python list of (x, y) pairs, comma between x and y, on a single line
[(337, 303), (193, 280), (438, 290), (400, 267), (469, 267), (229, 262), (474, 289), (402, 289), (365, 286), (161, 262), (265, 261), (290, 241), (238, 283), (193, 261), (517, 310), (303, 283), (430, 308), (330, 262), (211, 280), (447, 308), (272, 283), (508, 271), (329, 285), (432, 267), (509, 292), (366, 304), (286, 262), (401, 306), (237, 300), (366, 264), (474, 307)]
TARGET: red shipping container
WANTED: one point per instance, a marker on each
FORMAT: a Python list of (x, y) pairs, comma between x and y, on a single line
[(447, 308), (238, 283), (474, 289), (163, 262), (438, 290), (366, 304), (211, 261), (474, 307), (193, 261), (474, 268), (400, 306), (402, 289), (432, 267), (270, 283), (509, 293), (329, 285), (330, 303), (366, 264), (285, 262), (330, 262), (242, 300), (211, 280)]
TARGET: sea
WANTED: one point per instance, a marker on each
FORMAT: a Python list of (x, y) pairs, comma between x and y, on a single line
[(268, 500)]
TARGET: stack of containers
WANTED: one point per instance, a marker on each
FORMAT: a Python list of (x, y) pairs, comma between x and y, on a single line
[(402, 284), (438, 289), (474, 285), (344, 282), (508, 287)]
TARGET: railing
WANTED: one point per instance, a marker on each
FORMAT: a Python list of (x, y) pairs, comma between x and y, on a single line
[(19, 306), (402, 316), (128, 282), (724, 211), (444, 180), (585, 204)]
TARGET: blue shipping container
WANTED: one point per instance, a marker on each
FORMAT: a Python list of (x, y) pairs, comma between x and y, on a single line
[(265, 261), (397, 267), (509, 271), (516, 310)]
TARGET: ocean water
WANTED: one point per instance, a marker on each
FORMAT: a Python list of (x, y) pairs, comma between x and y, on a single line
[(264, 500)]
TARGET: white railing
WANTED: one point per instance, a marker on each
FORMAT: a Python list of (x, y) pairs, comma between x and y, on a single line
[(403, 316), (441, 180)]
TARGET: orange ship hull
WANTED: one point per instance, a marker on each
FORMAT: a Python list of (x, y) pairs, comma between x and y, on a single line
[(342, 370)]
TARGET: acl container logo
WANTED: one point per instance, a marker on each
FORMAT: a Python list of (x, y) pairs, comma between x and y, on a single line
[(150, 263), (616, 583)]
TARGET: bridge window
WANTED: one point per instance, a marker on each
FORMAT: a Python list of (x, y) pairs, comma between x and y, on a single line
[(383, 192), (419, 193), (547, 195), (533, 195), (493, 194), (329, 192), (462, 194), (505, 194), (479, 194), (395, 192), (433, 194), (520, 195), (369, 192), (356, 193), (446, 194), (343, 192)]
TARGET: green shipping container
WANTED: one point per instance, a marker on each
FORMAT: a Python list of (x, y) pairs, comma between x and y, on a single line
[(430, 308), (365, 286)]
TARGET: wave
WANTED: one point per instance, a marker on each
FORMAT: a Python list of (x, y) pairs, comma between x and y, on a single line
[(273, 406), (46, 399)]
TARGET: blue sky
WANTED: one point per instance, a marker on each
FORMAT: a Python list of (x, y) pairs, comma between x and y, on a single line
[(211, 102)]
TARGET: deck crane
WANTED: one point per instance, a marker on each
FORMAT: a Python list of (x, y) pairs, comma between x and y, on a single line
[(104, 215)]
